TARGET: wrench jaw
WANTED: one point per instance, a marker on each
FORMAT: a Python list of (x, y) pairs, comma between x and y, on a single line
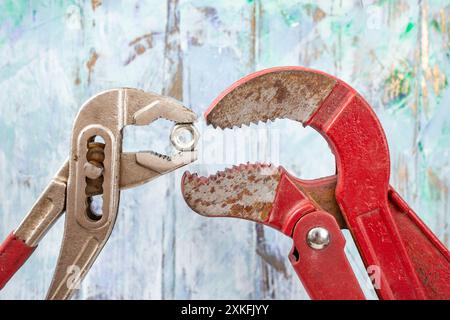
[(105, 115), (142, 167), (249, 191), (144, 108), (286, 92), (244, 191), (361, 188)]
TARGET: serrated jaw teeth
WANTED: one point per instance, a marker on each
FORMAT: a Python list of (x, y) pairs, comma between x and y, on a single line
[(228, 125), (235, 170), (244, 191)]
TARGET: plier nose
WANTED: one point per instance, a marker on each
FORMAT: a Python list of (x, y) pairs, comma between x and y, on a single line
[(97, 167), (142, 109)]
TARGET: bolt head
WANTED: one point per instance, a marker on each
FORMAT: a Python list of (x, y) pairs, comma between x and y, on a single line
[(318, 238)]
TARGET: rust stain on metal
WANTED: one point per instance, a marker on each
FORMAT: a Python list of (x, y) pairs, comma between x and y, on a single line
[(245, 191), (292, 94), (323, 195), (281, 92)]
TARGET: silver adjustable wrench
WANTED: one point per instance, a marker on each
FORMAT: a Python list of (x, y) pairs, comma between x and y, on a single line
[(97, 168)]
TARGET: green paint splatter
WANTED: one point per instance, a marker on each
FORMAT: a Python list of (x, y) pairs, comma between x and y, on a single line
[(17, 16), (291, 16), (435, 25), (399, 85), (409, 27), (420, 146), (13, 11), (446, 130), (382, 2), (343, 27)]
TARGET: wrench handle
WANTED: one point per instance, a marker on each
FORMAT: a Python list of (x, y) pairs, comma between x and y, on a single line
[(429, 256), (21, 243), (13, 254), (362, 159), (325, 273)]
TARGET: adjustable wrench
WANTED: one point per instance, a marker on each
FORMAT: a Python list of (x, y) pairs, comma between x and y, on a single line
[(390, 237), (97, 167)]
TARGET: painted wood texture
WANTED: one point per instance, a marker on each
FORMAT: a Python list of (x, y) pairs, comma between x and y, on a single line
[(56, 54)]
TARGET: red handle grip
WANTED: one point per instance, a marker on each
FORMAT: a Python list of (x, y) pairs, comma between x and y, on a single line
[(13, 254), (362, 159), (429, 256), (325, 273)]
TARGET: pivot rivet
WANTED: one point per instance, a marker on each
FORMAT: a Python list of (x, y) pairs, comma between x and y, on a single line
[(318, 238)]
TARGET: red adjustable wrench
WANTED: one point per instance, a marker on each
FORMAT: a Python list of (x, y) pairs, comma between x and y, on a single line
[(410, 260)]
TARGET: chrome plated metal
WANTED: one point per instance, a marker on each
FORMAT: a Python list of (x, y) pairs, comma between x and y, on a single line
[(318, 238), (176, 137), (105, 116), (88, 184)]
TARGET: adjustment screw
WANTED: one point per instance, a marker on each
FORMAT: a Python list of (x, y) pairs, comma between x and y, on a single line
[(93, 171), (318, 238)]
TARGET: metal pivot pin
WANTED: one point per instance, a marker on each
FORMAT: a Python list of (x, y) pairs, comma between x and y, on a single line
[(318, 238)]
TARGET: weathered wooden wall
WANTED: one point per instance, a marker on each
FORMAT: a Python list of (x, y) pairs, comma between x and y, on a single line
[(56, 54)]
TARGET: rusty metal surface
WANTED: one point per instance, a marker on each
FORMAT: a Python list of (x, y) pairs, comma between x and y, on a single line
[(289, 92), (292, 94), (245, 191), (248, 191), (322, 192)]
